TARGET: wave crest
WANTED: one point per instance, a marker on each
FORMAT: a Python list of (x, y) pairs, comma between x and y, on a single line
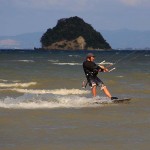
[(33, 101), (71, 64), (9, 85), (56, 91)]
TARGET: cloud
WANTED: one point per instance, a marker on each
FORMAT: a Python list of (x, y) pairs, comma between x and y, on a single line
[(9, 42)]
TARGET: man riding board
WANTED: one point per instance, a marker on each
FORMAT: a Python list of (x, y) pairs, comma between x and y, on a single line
[(91, 70)]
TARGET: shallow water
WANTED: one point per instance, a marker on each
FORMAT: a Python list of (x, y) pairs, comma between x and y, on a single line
[(42, 104)]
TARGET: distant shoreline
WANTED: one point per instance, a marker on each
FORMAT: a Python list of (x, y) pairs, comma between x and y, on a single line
[(43, 50)]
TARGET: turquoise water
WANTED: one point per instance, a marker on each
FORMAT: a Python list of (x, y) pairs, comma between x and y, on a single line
[(43, 106)]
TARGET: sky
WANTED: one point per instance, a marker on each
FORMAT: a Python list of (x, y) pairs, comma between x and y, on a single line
[(28, 16)]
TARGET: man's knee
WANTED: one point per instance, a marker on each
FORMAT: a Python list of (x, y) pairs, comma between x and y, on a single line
[(103, 87), (93, 84)]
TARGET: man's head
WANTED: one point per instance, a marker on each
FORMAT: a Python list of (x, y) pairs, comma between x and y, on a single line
[(90, 57)]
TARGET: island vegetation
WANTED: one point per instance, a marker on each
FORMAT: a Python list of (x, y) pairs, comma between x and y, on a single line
[(73, 33)]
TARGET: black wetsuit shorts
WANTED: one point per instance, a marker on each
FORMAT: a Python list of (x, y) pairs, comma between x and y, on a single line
[(95, 81)]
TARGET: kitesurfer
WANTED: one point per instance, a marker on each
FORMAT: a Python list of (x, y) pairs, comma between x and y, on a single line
[(91, 70)]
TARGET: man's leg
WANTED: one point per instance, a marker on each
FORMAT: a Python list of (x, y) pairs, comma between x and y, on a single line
[(94, 91), (104, 88)]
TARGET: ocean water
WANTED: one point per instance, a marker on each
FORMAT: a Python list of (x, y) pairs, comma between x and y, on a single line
[(43, 105)]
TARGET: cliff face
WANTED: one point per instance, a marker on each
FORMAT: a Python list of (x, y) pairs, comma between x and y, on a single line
[(73, 33), (78, 43)]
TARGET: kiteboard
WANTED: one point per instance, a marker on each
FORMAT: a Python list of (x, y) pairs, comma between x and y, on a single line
[(119, 100)]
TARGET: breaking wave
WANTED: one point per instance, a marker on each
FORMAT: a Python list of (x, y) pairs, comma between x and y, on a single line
[(3, 80), (53, 61), (56, 91), (71, 64), (59, 98), (74, 55), (26, 61), (28, 101), (9, 85)]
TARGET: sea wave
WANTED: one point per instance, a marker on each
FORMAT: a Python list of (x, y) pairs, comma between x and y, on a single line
[(74, 55), (28, 61), (53, 61), (9, 85), (56, 91), (71, 64), (119, 76), (33, 101), (3, 80), (24, 60)]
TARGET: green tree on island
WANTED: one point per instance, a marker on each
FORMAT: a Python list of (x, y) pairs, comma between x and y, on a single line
[(70, 29)]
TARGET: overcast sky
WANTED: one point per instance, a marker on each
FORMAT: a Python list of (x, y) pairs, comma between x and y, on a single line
[(27, 16)]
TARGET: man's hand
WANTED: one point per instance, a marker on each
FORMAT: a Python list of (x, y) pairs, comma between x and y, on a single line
[(104, 69)]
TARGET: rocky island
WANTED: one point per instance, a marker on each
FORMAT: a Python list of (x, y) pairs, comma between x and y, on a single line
[(73, 34)]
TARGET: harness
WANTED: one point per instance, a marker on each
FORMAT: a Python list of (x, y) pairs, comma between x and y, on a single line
[(89, 73), (91, 70)]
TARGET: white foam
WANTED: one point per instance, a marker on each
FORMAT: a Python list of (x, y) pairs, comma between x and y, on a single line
[(74, 55), (56, 91), (16, 81), (120, 76), (71, 64), (58, 98), (28, 61), (3, 80), (46, 101), (17, 84), (53, 61)]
